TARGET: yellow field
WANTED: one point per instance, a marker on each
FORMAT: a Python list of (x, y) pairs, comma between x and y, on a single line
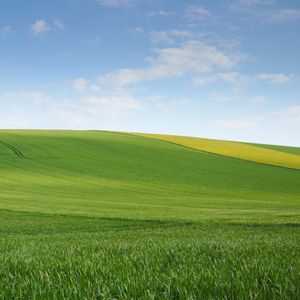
[(232, 149)]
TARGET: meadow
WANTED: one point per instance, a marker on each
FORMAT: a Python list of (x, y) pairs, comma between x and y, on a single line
[(105, 215)]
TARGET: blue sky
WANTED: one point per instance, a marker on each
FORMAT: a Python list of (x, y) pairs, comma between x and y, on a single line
[(220, 69)]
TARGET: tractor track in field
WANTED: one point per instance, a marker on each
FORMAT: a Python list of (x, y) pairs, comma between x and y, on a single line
[(14, 149)]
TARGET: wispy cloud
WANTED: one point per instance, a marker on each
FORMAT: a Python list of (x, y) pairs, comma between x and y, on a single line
[(81, 85), (235, 78), (93, 41), (114, 2), (203, 81), (161, 13), (290, 114), (136, 29), (12, 119), (39, 27), (92, 99), (283, 16), (183, 34), (113, 103), (261, 10), (165, 103), (197, 13), (240, 123), (191, 57), (250, 4), (79, 104), (275, 78), (5, 31), (27, 96), (92, 107), (170, 36), (59, 24), (160, 37), (235, 96)]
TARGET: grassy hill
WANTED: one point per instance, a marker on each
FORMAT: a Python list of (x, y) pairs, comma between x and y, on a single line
[(271, 155), (92, 214)]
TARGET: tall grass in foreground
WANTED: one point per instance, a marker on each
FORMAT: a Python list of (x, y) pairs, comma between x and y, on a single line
[(62, 257), (100, 215)]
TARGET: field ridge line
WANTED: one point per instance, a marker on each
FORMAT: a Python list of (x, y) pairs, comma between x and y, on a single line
[(205, 151)]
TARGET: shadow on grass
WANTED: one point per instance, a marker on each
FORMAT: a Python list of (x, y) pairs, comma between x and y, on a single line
[(16, 222), (265, 225)]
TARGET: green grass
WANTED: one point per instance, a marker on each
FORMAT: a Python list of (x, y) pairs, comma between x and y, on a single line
[(89, 214), (65, 257), (266, 155)]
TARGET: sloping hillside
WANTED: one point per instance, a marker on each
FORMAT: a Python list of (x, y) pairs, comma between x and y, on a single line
[(104, 215), (266, 154), (111, 174)]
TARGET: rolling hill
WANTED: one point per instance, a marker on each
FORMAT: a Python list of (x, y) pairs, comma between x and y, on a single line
[(264, 154), (95, 214), (119, 175)]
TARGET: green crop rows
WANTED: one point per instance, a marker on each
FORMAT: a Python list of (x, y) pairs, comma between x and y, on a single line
[(101, 215)]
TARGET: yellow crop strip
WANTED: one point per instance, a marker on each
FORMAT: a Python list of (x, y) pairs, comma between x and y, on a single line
[(232, 149)]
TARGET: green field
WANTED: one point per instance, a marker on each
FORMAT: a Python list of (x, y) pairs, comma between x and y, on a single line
[(271, 155), (103, 215)]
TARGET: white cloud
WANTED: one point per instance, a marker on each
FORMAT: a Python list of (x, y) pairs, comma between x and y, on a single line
[(114, 2), (12, 119), (80, 85), (160, 37), (242, 79), (257, 8), (255, 2), (59, 24), (169, 37), (283, 16), (189, 58), (290, 114), (93, 41), (231, 77), (202, 81), (250, 3), (113, 103), (66, 109), (27, 96), (241, 123), (259, 99), (90, 109), (225, 97), (164, 103), (236, 95), (136, 29), (182, 101), (275, 78), (39, 27), (122, 77), (161, 13), (197, 13), (238, 79), (93, 101), (192, 56), (6, 30), (184, 34)]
